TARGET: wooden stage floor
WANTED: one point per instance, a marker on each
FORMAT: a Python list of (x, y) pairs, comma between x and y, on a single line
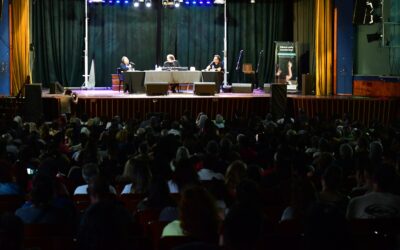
[(111, 103)]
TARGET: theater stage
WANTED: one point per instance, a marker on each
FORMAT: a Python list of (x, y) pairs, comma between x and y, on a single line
[(110, 103)]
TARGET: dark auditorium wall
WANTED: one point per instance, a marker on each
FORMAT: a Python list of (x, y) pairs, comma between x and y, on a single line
[(193, 34)]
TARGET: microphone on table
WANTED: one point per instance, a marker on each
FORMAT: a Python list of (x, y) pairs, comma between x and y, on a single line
[(131, 63)]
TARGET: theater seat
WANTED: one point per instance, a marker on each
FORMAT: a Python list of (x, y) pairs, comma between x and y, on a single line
[(10, 203), (145, 216), (374, 233), (130, 201), (49, 237), (153, 231), (170, 242), (81, 201)]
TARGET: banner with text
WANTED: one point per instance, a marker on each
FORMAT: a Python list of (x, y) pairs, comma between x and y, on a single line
[(286, 63)]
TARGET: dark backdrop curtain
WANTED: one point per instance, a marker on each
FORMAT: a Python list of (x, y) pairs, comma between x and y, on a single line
[(146, 36), (117, 31), (57, 35)]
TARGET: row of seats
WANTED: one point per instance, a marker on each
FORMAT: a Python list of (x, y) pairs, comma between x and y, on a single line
[(366, 234)]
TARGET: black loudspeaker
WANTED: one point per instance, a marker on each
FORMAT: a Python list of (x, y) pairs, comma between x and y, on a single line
[(56, 88), (33, 107), (204, 88), (278, 100), (156, 88), (307, 84), (242, 88)]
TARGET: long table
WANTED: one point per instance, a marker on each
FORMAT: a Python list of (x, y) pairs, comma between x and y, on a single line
[(136, 80)]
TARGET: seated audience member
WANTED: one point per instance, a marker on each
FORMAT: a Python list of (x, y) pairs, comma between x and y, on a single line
[(184, 175), (303, 195), (182, 153), (248, 194), (139, 174), (346, 159), (89, 171), (375, 152), (159, 198), (198, 217), (326, 228), (363, 175), (11, 232), (235, 174), (42, 210), (210, 164), (7, 186), (243, 228), (331, 184), (106, 224), (381, 202)]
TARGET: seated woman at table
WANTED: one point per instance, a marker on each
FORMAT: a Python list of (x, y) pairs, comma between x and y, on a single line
[(216, 64), (125, 64), (171, 62)]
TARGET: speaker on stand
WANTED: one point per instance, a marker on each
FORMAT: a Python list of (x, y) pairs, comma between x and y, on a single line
[(278, 100), (33, 106)]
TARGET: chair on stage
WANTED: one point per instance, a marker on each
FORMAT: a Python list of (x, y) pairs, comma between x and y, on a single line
[(121, 78), (248, 71)]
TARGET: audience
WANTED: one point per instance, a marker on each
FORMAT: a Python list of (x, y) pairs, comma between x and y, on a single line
[(89, 171), (11, 232), (106, 224), (41, 209), (137, 172), (7, 185), (382, 202), (226, 173), (198, 217)]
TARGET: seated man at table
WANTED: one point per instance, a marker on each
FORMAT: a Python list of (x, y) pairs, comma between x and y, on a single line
[(216, 64), (171, 62)]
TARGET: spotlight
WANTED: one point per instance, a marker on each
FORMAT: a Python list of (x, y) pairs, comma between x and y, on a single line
[(194, 2), (201, 2), (252, 1), (118, 1), (148, 3), (136, 3), (187, 2), (208, 2), (110, 1), (219, 1), (126, 2), (177, 4)]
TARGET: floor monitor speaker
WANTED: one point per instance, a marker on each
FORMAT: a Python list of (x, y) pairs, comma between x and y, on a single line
[(242, 88), (156, 88), (204, 88)]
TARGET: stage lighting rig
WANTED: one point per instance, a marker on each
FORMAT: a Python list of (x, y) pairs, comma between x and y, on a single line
[(148, 3)]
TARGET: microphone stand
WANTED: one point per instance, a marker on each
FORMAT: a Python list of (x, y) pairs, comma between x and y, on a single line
[(238, 65), (258, 68)]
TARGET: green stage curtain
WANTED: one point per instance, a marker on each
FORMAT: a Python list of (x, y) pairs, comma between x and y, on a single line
[(304, 34), (146, 36), (58, 32)]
